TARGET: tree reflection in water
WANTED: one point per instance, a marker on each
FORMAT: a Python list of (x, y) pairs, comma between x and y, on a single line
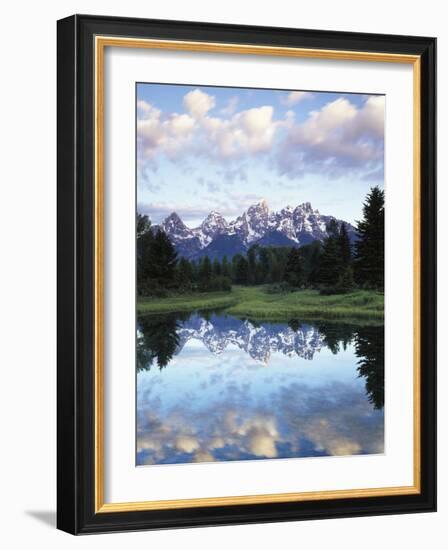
[(159, 338)]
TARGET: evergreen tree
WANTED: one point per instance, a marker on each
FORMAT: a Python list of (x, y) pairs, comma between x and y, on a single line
[(185, 273), (330, 262), (242, 271), (294, 268), (157, 342), (369, 249), (314, 263), (216, 268), (225, 267), (333, 229), (144, 244), (205, 273), (275, 268), (235, 260), (194, 272), (344, 246), (346, 282), (163, 260), (369, 348), (252, 260), (143, 225), (265, 264)]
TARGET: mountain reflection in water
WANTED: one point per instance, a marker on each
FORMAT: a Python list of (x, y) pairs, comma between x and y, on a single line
[(216, 388)]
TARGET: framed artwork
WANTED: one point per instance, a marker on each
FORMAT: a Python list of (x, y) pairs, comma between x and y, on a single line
[(246, 274)]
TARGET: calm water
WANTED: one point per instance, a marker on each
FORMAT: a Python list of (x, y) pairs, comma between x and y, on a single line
[(214, 388)]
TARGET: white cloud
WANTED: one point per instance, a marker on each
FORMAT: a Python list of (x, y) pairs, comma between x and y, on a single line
[(295, 97), (187, 444), (198, 103), (155, 132), (334, 140), (338, 138), (247, 132)]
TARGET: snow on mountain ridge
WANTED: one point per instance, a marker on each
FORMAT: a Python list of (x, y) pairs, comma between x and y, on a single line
[(300, 225)]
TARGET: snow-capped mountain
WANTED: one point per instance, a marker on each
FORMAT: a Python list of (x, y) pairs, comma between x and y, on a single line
[(216, 237), (259, 341)]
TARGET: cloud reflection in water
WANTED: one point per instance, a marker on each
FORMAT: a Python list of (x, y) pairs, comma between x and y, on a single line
[(235, 391)]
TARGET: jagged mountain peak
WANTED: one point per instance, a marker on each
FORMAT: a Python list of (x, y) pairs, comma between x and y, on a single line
[(214, 216), (173, 217), (215, 236), (261, 205)]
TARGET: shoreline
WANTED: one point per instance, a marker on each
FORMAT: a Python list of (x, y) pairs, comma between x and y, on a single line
[(254, 302)]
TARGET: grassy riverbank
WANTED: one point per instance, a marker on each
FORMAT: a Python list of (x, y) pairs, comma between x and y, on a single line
[(257, 303), (187, 302)]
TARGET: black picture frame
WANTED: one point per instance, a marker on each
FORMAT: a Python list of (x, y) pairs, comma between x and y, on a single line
[(76, 270)]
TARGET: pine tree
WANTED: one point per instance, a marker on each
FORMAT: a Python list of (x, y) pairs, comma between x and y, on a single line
[(216, 268), (369, 348), (314, 263), (275, 268), (346, 282), (163, 260), (225, 267), (184, 273), (294, 268), (205, 273), (143, 225), (242, 271), (144, 244), (330, 262), (344, 246), (252, 260), (265, 264), (369, 249)]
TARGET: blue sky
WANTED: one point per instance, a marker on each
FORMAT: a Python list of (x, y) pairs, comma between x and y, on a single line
[(205, 407), (202, 148)]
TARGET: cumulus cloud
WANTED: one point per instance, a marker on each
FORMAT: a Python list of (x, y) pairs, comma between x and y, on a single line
[(337, 139), (246, 132), (198, 103), (154, 132), (196, 132), (295, 97), (186, 443), (285, 417)]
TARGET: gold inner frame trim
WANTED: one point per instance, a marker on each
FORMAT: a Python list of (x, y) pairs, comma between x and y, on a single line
[(101, 42)]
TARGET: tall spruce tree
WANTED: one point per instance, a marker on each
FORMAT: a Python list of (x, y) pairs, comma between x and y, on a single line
[(242, 271), (216, 268), (143, 225), (265, 264), (344, 246), (225, 267), (294, 268), (163, 262), (252, 260), (330, 263), (205, 273), (369, 249), (145, 239), (184, 273)]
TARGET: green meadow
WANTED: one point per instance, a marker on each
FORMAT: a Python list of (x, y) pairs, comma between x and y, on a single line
[(256, 302)]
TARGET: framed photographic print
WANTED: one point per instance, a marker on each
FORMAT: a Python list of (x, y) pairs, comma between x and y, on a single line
[(246, 274)]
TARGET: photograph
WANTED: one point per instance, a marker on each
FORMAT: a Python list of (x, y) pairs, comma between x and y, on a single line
[(259, 273)]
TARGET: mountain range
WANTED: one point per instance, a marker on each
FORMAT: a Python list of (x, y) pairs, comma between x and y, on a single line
[(215, 237), (259, 341)]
